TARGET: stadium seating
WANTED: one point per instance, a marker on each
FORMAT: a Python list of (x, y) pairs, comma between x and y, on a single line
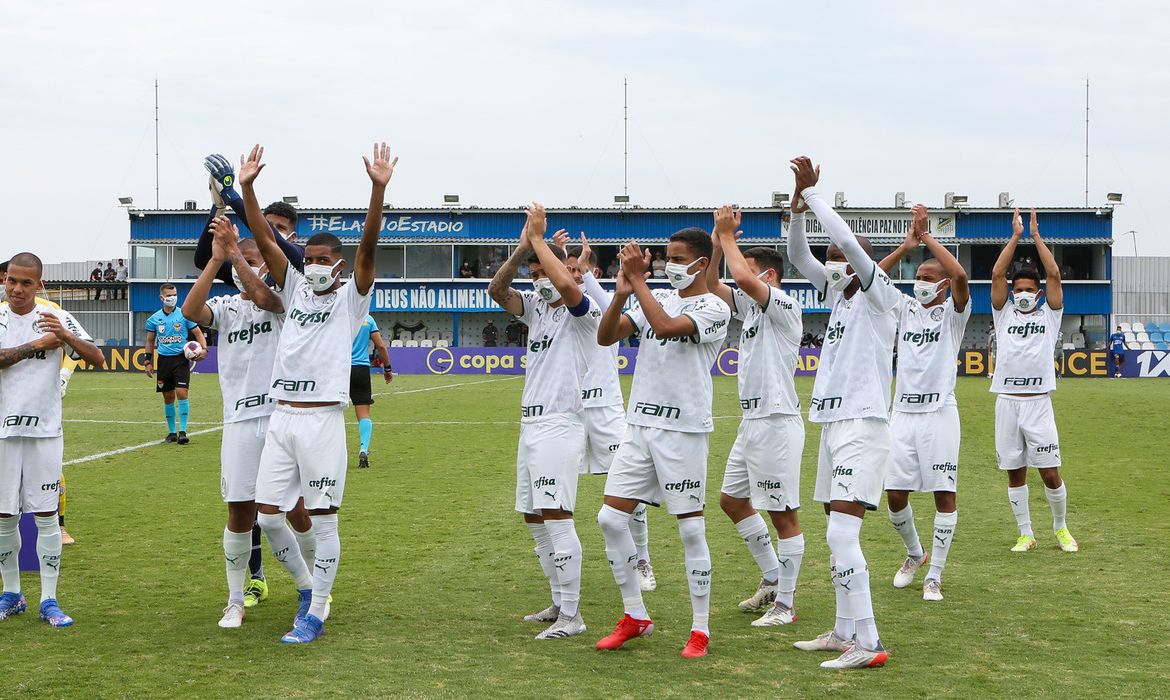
[(426, 343), (1156, 337), (442, 343), (410, 343), (396, 343), (1125, 327)]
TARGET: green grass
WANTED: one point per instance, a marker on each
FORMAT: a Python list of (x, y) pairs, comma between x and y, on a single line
[(437, 569)]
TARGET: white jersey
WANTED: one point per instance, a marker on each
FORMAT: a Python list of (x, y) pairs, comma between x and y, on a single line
[(928, 348), (248, 336), (601, 386), (672, 379), (30, 390), (1024, 345), (856, 363), (316, 342), (768, 349), (559, 346)]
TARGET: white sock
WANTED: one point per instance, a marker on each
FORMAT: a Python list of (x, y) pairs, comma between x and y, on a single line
[(1058, 499), (623, 559), (789, 553), (903, 522), (307, 543), (1018, 497), (544, 555), (758, 539), (284, 547), (693, 532), (640, 531), (944, 534), (10, 553), (567, 560), (844, 538), (49, 552), (325, 561), (237, 546)]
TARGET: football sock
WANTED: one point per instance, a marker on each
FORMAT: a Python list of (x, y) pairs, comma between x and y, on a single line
[(758, 539), (567, 560), (365, 431), (236, 548), (184, 411), (640, 531), (903, 522), (1058, 499), (307, 543), (693, 532), (256, 561), (944, 533), (10, 553), (283, 544), (49, 553), (853, 596), (790, 553), (1018, 497), (325, 561), (544, 554), (169, 411), (623, 559)]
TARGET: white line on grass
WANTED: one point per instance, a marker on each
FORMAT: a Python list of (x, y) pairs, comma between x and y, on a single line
[(131, 448), (448, 386)]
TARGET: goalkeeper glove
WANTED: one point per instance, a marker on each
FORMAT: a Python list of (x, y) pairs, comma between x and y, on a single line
[(223, 177)]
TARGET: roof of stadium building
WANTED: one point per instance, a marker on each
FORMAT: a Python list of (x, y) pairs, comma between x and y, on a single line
[(469, 209)]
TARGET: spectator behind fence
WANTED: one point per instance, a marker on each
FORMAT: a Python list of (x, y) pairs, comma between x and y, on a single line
[(614, 268), (466, 270), (96, 276), (658, 266), (512, 333), (491, 335), (122, 277)]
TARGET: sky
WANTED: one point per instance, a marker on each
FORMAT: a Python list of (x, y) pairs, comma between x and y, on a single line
[(509, 102)]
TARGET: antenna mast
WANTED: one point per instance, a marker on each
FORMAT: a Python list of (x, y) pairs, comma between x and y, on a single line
[(156, 143), (1086, 142), (625, 136)]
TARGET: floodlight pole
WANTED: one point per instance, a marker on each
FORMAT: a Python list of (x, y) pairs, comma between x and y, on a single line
[(625, 136), (1086, 142), (156, 143)]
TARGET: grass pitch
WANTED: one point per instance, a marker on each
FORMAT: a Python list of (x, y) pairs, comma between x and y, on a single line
[(437, 569)]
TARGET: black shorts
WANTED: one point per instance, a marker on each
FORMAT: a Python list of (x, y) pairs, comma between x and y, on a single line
[(360, 393), (173, 372)]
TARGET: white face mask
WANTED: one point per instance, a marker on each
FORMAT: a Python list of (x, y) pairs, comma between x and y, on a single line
[(547, 290), (679, 275), (839, 279), (170, 301), (926, 291), (1024, 301), (321, 277), (239, 282), (762, 275)]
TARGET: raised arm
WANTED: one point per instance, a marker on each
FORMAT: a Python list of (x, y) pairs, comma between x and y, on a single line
[(839, 232), (999, 281), (725, 218), (1053, 292), (227, 238), (274, 257), (634, 265), (917, 226), (615, 325), (726, 227), (557, 273), (592, 287), (195, 303), (960, 290), (500, 288), (799, 253), (379, 171)]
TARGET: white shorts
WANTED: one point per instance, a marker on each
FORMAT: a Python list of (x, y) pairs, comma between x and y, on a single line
[(655, 465), (551, 452), (239, 458), (30, 474), (925, 451), (1025, 432), (764, 464), (304, 453), (605, 429), (851, 466)]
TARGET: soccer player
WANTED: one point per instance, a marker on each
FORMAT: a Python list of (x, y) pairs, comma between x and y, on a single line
[(924, 426), (360, 392), (168, 329), (851, 401), (32, 338), (249, 325), (305, 448), (1025, 427), (562, 324), (763, 469), (664, 456), (604, 411), (1117, 348)]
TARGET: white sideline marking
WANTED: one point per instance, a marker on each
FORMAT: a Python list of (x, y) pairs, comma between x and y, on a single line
[(132, 448)]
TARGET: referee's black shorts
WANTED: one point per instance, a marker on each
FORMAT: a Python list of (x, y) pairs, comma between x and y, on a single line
[(173, 372), (360, 393)]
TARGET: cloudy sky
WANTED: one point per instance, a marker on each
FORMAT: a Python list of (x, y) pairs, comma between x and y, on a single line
[(505, 102)]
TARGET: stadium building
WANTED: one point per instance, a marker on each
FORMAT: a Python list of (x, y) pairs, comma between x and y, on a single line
[(434, 264)]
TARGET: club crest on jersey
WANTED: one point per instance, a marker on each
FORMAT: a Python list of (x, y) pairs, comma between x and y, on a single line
[(162, 328), (936, 314), (177, 325)]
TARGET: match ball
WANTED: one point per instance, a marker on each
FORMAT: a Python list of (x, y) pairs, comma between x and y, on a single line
[(192, 349)]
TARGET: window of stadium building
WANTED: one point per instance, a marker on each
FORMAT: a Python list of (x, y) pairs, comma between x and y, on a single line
[(391, 262), (429, 261), (149, 262), (479, 260)]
